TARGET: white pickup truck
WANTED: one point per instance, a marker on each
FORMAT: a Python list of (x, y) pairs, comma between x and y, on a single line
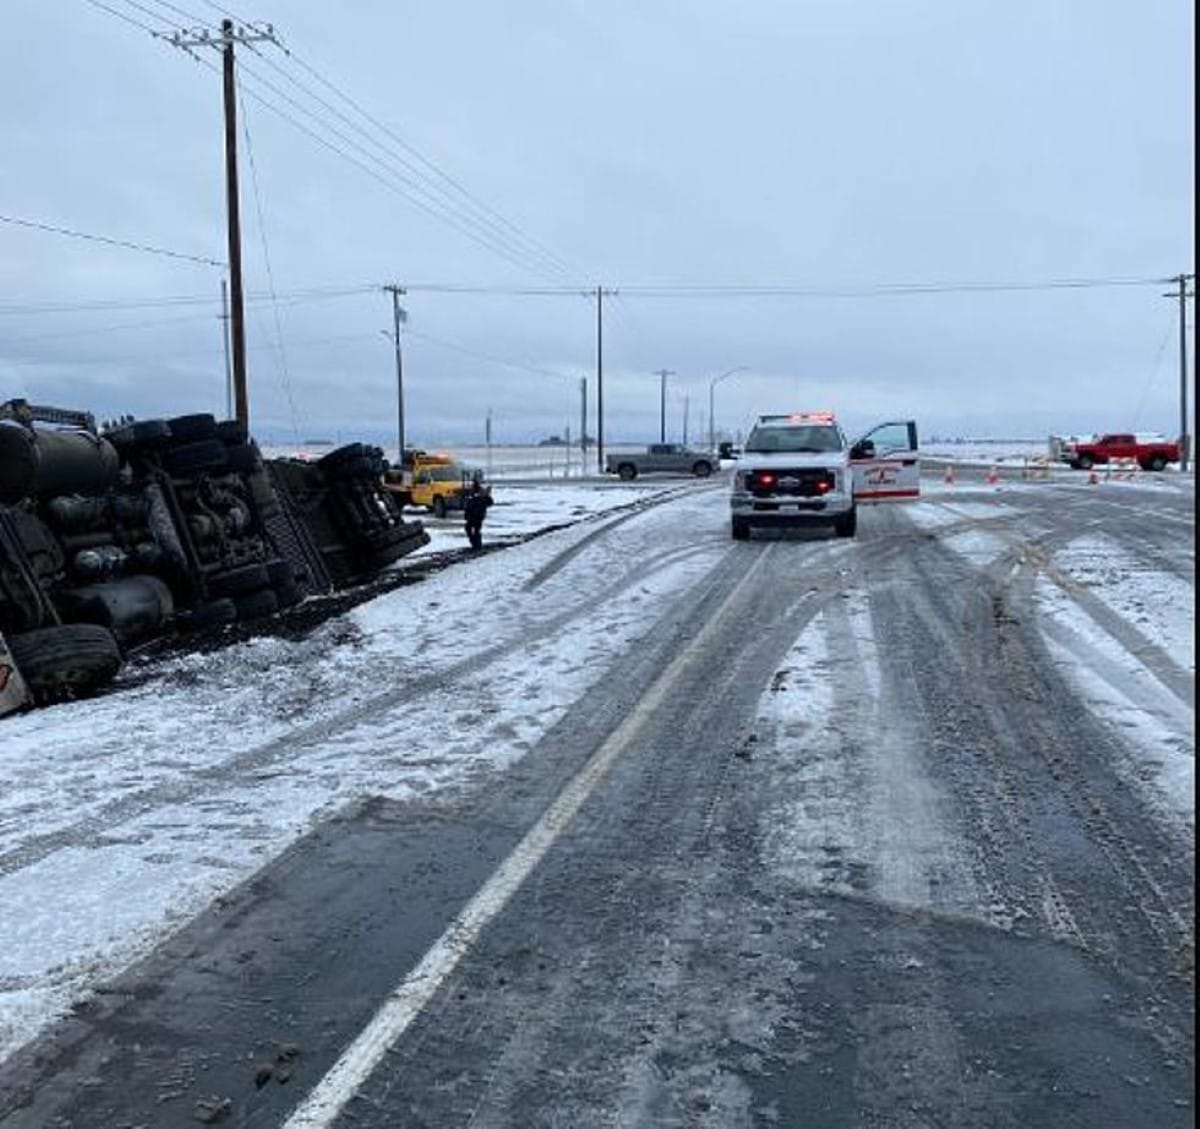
[(799, 469)]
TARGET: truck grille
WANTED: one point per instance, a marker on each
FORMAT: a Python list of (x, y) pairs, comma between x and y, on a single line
[(800, 483)]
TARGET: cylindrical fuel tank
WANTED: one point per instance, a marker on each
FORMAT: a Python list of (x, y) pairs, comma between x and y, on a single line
[(133, 608), (18, 462), (46, 462), (74, 462)]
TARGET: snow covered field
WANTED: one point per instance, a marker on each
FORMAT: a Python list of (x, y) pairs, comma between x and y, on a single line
[(124, 816)]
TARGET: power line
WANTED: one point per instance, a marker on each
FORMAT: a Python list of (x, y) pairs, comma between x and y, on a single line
[(489, 356), (432, 166), (490, 290), (122, 16), (481, 217), (154, 15), (388, 183), (484, 225), (179, 12), (262, 231), (879, 290), (93, 238), (393, 179), (294, 297)]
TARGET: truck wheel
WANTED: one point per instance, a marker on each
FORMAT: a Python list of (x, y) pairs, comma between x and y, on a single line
[(139, 435), (1085, 462), (59, 661), (847, 524), (195, 458), (740, 528), (1157, 462), (627, 471), (194, 428), (702, 469), (240, 580), (244, 458), (439, 506), (344, 454), (257, 605), (232, 432), (211, 613)]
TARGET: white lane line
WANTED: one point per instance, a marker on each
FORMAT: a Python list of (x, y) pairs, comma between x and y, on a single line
[(409, 997)]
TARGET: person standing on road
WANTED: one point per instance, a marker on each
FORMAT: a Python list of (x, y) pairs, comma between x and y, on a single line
[(475, 508)]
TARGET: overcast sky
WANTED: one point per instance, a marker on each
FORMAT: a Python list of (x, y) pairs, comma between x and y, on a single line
[(683, 155)]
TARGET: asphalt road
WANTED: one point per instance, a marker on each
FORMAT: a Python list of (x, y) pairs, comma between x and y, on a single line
[(913, 889)]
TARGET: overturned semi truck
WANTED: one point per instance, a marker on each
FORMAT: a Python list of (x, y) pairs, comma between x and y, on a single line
[(113, 536)]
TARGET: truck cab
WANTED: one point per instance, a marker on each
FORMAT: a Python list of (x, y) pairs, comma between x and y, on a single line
[(434, 481)]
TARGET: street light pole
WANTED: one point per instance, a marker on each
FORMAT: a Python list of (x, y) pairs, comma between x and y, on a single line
[(662, 374), (712, 384)]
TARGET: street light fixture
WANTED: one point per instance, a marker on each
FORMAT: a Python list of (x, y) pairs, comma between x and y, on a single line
[(712, 384)]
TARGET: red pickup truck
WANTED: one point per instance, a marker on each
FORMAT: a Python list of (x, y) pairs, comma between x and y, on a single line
[(1150, 453)]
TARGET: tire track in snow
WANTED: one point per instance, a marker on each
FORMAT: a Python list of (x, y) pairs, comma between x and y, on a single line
[(287, 746)]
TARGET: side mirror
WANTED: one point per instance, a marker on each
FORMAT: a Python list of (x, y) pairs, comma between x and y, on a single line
[(863, 449)]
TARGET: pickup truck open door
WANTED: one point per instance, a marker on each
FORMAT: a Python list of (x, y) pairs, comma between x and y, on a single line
[(884, 465)]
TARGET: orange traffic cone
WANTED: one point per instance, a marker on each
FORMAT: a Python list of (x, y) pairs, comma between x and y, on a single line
[(948, 477), (992, 477), (1093, 479)]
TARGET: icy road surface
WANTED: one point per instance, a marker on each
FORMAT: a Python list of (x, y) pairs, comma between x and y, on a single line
[(895, 831)]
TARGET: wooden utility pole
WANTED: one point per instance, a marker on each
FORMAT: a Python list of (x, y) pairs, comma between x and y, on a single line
[(238, 323), (600, 294), (225, 342), (225, 41), (1185, 440), (600, 380)]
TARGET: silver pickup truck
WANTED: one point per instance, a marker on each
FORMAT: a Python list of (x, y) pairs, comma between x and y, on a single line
[(662, 458)]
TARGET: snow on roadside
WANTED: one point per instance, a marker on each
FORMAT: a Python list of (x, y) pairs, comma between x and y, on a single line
[(1159, 731), (125, 815), (520, 509), (1159, 604)]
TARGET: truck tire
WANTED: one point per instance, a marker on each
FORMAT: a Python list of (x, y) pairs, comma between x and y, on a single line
[(343, 455), (1156, 463), (740, 529), (701, 468), (232, 432), (57, 662), (439, 506), (238, 581), (140, 435), (282, 575), (209, 614), (193, 428), (257, 605), (243, 458), (627, 471), (1085, 462), (361, 466), (847, 524), (195, 458), (133, 607)]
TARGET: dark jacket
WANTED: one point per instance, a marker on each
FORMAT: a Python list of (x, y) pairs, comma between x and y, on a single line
[(476, 505)]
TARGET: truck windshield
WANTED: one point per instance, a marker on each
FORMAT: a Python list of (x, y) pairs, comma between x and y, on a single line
[(445, 473), (765, 440)]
